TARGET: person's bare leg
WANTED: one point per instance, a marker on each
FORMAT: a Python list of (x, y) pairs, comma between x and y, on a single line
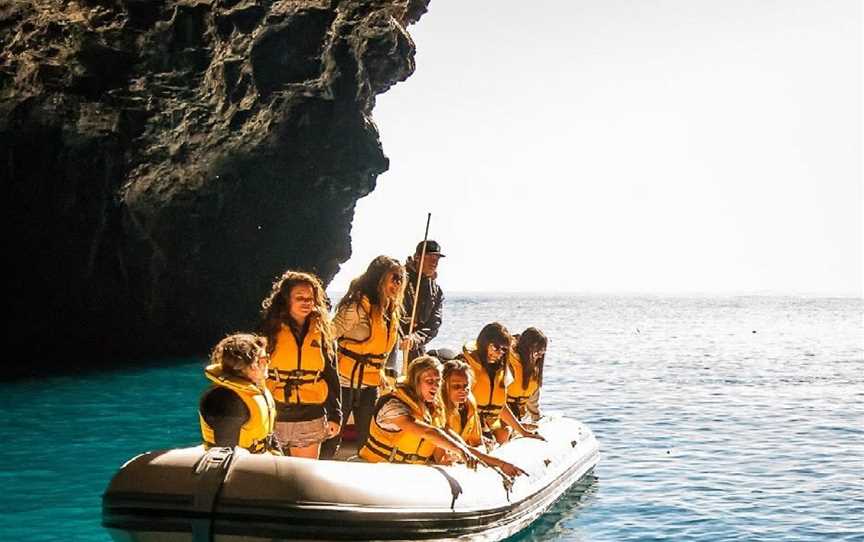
[(310, 451)]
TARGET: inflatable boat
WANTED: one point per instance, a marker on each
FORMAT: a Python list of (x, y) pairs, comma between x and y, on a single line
[(228, 494)]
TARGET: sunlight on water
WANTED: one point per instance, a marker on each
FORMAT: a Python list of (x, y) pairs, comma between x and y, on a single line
[(718, 420)]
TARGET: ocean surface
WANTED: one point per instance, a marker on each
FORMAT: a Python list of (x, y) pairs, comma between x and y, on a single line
[(737, 418)]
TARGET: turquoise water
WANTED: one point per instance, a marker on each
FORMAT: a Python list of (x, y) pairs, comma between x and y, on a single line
[(718, 419)]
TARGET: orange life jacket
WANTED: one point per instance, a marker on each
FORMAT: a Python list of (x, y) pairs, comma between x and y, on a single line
[(262, 411), (517, 394), (398, 446), (471, 431), (363, 361), (296, 371), (489, 393)]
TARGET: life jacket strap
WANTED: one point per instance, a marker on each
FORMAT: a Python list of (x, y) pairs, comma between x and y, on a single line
[(366, 359), (392, 454), (295, 377)]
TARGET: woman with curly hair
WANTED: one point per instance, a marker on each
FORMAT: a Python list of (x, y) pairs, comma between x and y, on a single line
[(366, 327), (463, 420), (238, 410), (302, 376)]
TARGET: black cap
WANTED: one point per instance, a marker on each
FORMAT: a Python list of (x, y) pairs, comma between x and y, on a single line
[(432, 247)]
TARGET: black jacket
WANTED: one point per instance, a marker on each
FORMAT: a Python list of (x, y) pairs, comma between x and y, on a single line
[(427, 320)]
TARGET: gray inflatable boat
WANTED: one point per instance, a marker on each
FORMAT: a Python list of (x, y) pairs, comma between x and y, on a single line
[(230, 495)]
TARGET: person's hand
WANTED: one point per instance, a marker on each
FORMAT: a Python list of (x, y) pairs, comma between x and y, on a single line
[(511, 470), (462, 456), (333, 429), (406, 343), (471, 459), (448, 458)]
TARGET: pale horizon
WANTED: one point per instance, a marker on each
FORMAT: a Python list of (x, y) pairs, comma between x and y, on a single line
[(683, 148), (335, 294)]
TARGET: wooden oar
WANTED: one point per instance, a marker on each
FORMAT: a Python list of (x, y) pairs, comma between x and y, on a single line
[(407, 349)]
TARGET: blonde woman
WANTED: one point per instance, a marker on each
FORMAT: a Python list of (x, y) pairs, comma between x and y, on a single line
[(408, 423), (460, 406), (366, 328), (302, 376), (462, 416)]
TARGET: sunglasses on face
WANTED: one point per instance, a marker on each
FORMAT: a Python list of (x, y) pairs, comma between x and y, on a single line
[(499, 348), (397, 279)]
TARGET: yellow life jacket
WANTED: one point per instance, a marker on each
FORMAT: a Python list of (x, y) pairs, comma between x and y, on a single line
[(398, 446), (489, 393), (363, 361), (517, 394), (295, 375), (262, 411), (470, 432)]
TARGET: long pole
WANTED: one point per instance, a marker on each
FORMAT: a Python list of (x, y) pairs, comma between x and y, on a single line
[(407, 349)]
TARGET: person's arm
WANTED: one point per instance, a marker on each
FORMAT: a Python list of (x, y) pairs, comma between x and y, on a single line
[(333, 403), (533, 405), (507, 468), (436, 436), (427, 330), (406, 339), (225, 413), (407, 306), (346, 319), (508, 418), (435, 320)]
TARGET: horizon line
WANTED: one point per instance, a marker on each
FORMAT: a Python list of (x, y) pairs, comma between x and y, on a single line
[(577, 293)]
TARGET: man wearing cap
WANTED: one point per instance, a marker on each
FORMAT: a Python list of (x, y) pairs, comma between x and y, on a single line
[(427, 319)]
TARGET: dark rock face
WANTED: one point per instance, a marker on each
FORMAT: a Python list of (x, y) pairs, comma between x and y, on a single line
[(163, 161)]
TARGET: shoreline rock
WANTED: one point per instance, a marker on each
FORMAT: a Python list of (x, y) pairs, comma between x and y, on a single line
[(164, 161)]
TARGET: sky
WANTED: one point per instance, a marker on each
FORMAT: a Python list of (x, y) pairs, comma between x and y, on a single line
[(667, 147)]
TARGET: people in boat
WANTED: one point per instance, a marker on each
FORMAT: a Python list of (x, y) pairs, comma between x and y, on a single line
[(487, 357), (366, 328), (525, 360), (408, 423), (238, 409), (462, 417), (427, 315), (302, 376)]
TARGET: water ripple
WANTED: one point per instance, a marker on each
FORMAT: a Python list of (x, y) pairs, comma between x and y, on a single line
[(709, 432)]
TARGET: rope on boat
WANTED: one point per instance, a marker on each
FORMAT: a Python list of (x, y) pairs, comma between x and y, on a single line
[(455, 488)]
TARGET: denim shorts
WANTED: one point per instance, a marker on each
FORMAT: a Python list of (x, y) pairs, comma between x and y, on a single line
[(301, 434)]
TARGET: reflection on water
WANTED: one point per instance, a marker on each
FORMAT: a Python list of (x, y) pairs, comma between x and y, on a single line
[(556, 522)]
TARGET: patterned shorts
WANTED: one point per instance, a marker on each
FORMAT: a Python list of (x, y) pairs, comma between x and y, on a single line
[(301, 434)]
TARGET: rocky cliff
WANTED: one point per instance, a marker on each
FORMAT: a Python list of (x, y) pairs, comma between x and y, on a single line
[(162, 161)]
